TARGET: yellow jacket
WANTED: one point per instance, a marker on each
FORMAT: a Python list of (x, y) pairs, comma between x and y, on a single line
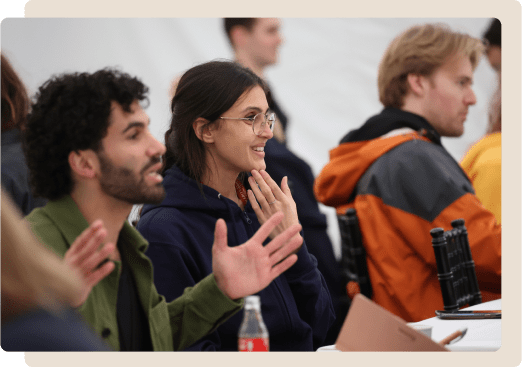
[(482, 164)]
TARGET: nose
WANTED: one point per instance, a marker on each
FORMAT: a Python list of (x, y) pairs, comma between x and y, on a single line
[(267, 133), (471, 98), (280, 39), (155, 148)]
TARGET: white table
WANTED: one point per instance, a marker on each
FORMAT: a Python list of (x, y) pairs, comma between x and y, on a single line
[(482, 335)]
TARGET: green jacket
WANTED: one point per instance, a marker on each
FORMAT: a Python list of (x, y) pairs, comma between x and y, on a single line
[(173, 326)]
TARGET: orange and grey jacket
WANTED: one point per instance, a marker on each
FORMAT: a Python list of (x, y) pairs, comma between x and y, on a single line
[(403, 184)]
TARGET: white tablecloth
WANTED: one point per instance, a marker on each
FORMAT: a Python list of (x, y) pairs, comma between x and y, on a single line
[(482, 335)]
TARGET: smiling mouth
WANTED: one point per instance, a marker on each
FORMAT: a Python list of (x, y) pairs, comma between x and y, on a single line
[(258, 149), (154, 174)]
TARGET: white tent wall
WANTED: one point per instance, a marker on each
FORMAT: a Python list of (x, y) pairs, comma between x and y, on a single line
[(326, 79)]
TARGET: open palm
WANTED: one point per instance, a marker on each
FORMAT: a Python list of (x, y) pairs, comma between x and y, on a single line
[(247, 269)]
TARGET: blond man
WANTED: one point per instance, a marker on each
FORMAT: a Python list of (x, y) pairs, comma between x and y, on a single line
[(395, 172)]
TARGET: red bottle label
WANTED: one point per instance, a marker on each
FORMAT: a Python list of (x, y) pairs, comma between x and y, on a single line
[(253, 344)]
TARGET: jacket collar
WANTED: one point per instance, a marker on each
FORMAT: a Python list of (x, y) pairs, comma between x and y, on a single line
[(391, 119), (71, 222)]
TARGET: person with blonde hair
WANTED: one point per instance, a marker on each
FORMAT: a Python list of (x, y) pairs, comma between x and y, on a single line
[(400, 179), (37, 289)]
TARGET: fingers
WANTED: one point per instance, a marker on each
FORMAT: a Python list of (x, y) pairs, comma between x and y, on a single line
[(283, 266), (220, 235), (260, 196), (77, 246), (286, 250), (90, 263), (264, 231), (255, 206), (285, 188), (267, 185), (282, 238), (86, 244), (97, 275)]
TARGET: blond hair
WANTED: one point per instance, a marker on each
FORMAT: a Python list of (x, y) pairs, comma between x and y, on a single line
[(421, 50), (32, 275)]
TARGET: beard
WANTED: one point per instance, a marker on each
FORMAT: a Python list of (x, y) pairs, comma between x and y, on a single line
[(122, 183)]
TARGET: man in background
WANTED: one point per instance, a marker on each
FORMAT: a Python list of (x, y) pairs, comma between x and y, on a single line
[(256, 42), (402, 182)]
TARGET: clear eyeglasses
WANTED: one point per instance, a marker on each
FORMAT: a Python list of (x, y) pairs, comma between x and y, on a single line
[(258, 121)]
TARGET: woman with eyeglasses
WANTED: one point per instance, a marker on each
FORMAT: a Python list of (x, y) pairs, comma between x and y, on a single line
[(214, 168)]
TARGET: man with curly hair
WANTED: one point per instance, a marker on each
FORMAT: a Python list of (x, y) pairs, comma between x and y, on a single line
[(90, 152)]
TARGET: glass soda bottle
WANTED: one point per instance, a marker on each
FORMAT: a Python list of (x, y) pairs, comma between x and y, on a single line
[(253, 334)]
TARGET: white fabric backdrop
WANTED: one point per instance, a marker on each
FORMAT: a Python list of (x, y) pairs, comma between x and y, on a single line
[(326, 80)]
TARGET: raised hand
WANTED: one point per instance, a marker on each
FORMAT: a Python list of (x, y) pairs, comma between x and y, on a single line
[(84, 257), (267, 198), (247, 269)]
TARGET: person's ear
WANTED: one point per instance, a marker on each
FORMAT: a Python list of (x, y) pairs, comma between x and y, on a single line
[(203, 131), (83, 163), (417, 84), (239, 35)]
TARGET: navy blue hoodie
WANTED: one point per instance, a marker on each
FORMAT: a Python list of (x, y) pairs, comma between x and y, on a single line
[(296, 306), (281, 162)]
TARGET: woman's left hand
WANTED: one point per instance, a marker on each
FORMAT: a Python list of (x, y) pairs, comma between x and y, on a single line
[(267, 198)]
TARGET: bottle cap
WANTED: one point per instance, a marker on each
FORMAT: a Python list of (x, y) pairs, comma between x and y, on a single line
[(253, 301)]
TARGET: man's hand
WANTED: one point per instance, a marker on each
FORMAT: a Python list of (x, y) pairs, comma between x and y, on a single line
[(84, 257), (247, 269)]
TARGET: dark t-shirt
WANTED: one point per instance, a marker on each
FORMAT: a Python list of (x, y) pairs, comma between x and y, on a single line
[(133, 325)]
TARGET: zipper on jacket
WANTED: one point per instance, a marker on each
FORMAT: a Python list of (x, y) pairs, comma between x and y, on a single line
[(247, 218)]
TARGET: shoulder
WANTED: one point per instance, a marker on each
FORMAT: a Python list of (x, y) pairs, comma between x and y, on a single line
[(45, 229), (280, 162), (418, 177), (158, 216), (487, 151), (167, 225), (13, 163), (415, 158), (159, 220)]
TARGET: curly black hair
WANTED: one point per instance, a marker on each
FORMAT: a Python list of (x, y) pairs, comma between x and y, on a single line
[(71, 113)]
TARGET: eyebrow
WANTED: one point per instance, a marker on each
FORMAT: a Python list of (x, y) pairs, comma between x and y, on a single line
[(255, 108), (135, 124)]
